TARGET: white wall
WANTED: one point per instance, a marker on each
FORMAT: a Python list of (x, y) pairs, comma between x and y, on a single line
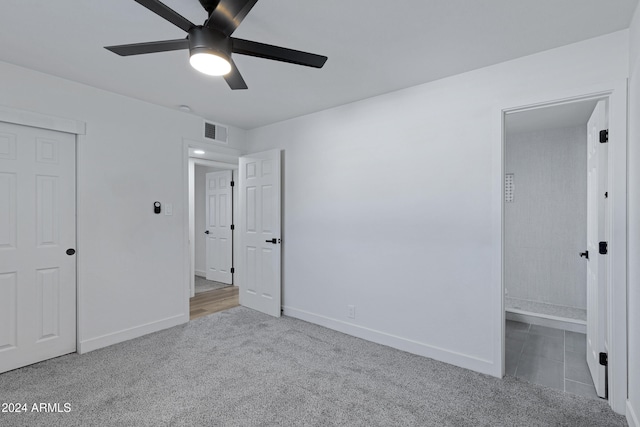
[(633, 415), (199, 217), (545, 225), (388, 203), (131, 262)]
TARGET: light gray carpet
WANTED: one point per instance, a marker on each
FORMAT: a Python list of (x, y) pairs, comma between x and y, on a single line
[(243, 368), (204, 285)]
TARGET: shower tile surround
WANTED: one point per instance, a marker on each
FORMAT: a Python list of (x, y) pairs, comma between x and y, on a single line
[(550, 357), (545, 225)]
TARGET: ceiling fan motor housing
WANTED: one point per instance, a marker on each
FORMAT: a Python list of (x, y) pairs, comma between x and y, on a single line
[(209, 5), (207, 40)]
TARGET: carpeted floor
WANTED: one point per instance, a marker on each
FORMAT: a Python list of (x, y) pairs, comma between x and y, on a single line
[(204, 285), (243, 368)]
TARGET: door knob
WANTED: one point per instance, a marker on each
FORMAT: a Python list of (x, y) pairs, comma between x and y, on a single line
[(71, 251), (274, 241), (585, 254), (206, 232)]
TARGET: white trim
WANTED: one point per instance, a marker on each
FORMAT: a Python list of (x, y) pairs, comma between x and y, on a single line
[(421, 349), (200, 273), (632, 417), (131, 333), (42, 121), (617, 298), (497, 243), (616, 92)]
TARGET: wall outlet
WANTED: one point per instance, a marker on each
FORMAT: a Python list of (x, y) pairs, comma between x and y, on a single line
[(351, 311)]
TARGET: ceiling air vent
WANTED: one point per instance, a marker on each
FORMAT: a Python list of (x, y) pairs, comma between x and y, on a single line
[(215, 132)]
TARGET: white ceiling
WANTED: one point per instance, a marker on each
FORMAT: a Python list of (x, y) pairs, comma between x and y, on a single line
[(553, 117), (374, 47)]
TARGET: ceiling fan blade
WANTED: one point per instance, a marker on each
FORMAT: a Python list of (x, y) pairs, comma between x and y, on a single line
[(229, 14), (276, 53), (234, 78), (150, 47), (167, 13)]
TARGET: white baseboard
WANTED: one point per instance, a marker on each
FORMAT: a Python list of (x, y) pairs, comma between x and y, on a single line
[(131, 333), (421, 349), (201, 273), (632, 417)]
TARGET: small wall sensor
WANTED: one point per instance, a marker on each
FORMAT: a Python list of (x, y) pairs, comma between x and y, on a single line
[(156, 207)]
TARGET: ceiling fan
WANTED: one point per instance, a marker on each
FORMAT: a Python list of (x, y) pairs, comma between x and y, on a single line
[(211, 45)]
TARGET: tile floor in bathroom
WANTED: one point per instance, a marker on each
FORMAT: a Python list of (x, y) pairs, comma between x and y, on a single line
[(551, 357)]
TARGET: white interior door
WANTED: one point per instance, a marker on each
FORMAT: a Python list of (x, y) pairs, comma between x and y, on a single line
[(37, 227), (596, 232), (219, 219), (259, 271)]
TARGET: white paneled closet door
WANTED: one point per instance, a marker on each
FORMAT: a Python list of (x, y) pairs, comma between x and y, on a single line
[(37, 245), (219, 220)]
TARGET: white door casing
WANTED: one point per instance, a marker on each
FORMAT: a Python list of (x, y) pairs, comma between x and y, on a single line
[(260, 251), (218, 220), (596, 232), (37, 227)]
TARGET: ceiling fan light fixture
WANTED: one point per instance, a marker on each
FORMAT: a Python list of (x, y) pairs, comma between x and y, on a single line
[(210, 62), (211, 45)]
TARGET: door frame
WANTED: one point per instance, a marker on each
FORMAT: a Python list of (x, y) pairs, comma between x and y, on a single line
[(221, 157), (78, 129), (616, 93)]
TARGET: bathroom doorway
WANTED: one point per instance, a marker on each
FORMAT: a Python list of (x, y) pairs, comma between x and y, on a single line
[(546, 246)]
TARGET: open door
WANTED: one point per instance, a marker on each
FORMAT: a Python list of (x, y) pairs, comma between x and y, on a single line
[(218, 219), (260, 244), (596, 232)]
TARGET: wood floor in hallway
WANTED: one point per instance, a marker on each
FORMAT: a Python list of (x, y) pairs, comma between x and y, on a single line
[(210, 302)]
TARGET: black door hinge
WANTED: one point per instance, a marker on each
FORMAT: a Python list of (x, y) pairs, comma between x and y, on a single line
[(233, 270), (603, 248), (604, 359), (604, 136), (606, 195), (233, 183), (233, 227)]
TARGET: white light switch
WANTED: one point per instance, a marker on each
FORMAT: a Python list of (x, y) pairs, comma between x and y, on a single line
[(168, 209)]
